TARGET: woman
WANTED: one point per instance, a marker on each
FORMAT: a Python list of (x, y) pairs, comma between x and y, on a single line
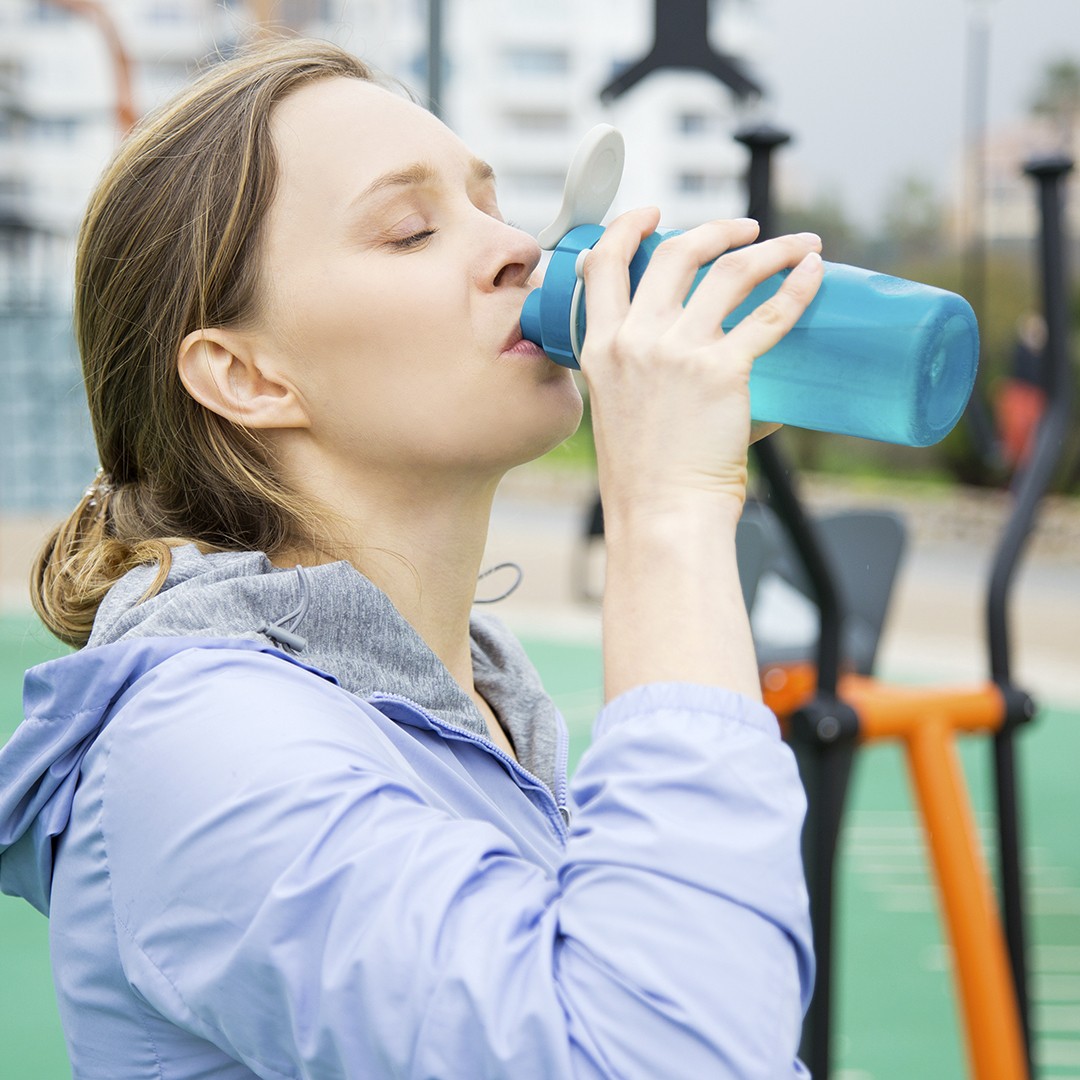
[(292, 810)]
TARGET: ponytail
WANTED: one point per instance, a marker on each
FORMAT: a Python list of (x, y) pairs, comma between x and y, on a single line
[(80, 561)]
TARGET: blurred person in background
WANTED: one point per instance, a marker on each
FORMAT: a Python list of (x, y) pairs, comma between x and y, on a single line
[(1021, 395)]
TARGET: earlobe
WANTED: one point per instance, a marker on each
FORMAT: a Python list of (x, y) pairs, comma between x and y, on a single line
[(225, 375)]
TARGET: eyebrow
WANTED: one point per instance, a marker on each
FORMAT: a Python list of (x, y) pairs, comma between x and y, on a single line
[(417, 174)]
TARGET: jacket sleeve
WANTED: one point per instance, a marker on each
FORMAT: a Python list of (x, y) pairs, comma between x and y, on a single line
[(284, 886)]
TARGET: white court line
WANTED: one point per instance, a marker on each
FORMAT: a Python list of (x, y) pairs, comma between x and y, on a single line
[(1058, 1019), (1063, 958), (1064, 989), (1058, 1052)]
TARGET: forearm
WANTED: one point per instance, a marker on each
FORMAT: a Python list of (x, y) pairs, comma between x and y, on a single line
[(673, 605)]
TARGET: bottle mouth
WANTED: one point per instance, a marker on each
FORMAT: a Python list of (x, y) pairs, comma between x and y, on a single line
[(531, 328)]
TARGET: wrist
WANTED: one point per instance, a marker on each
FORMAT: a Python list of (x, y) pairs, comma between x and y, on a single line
[(672, 516)]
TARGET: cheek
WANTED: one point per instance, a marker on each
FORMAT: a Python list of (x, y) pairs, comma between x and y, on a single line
[(403, 318)]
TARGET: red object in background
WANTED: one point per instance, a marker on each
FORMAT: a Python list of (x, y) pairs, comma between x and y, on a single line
[(1019, 408)]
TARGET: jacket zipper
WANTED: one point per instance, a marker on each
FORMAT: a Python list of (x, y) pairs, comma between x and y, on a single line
[(561, 818)]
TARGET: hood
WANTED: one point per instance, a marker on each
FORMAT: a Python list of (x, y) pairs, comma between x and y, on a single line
[(329, 619)]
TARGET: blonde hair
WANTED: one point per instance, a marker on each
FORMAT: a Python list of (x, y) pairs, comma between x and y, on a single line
[(171, 242)]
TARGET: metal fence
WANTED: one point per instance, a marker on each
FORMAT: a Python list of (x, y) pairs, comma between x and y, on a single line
[(47, 454)]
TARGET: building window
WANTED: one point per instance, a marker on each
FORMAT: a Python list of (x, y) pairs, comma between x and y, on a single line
[(536, 121), (165, 11), (57, 129), (694, 123), (695, 182), (536, 60), (47, 11), (536, 181)]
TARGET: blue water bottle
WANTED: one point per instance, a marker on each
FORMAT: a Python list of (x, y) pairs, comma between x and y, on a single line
[(872, 356)]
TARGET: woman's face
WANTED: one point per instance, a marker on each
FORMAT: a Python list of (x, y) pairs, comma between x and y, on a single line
[(394, 289)]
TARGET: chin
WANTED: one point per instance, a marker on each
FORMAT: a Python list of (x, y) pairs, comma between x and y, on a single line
[(557, 433)]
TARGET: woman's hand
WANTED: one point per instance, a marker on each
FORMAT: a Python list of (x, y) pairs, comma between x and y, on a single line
[(671, 415), (669, 389)]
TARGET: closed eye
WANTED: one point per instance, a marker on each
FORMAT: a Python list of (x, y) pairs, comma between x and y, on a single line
[(413, 240)]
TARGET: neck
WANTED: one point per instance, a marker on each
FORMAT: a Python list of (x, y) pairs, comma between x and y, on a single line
[(423, 546)]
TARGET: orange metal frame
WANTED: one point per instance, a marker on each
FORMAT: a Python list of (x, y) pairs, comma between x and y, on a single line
[(927, 721)]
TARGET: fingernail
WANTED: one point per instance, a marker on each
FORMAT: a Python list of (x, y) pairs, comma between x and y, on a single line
[(810, 237), (811, 261)]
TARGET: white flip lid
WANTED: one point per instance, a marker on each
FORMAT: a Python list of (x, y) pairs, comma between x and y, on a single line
[(591, 183)]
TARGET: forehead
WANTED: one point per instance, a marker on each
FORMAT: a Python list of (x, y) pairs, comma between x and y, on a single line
[(346, 132)]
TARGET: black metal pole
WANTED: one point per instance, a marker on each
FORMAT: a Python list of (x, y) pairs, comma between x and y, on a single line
[(762, 141), (1049, 174), (824, 731)]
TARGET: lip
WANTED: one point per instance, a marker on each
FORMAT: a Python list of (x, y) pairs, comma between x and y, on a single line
[(516, 345)]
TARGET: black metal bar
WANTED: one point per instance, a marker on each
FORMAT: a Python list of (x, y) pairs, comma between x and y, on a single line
[(823, 736), (824, 731), (1010, 876), (681, 41), (1049, 174), (784, 500), (762, 141)]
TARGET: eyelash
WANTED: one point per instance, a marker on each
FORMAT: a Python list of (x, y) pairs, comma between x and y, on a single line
[(418, 238), (414, 240)]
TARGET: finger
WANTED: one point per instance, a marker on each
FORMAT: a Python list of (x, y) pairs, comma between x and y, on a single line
[(734, 276), (676, 262), (769, 322), (605, 271)]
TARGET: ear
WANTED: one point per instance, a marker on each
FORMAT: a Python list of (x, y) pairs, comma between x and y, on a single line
[(222, 372)]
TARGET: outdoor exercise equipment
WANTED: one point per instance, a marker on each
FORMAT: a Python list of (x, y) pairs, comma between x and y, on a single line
[(830, 705)]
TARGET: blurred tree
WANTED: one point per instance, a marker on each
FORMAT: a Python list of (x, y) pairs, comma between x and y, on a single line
[(843, 241), (1057, 98), (913, 221)]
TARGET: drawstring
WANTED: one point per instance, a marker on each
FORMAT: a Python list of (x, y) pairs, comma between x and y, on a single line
[(503, 595), (281, 634), (282, 631)]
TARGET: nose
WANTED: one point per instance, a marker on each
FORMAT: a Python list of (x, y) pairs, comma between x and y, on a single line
[(515, 255)]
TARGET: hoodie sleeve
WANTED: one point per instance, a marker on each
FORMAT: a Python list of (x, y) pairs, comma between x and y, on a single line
[(285, 887)]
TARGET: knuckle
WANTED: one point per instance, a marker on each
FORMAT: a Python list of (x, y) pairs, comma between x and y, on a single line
[(600, 255), (771, 313), (670, 252), (733, 264)]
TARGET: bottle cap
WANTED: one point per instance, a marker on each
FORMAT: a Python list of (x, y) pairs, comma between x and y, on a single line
[(591, 183)]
